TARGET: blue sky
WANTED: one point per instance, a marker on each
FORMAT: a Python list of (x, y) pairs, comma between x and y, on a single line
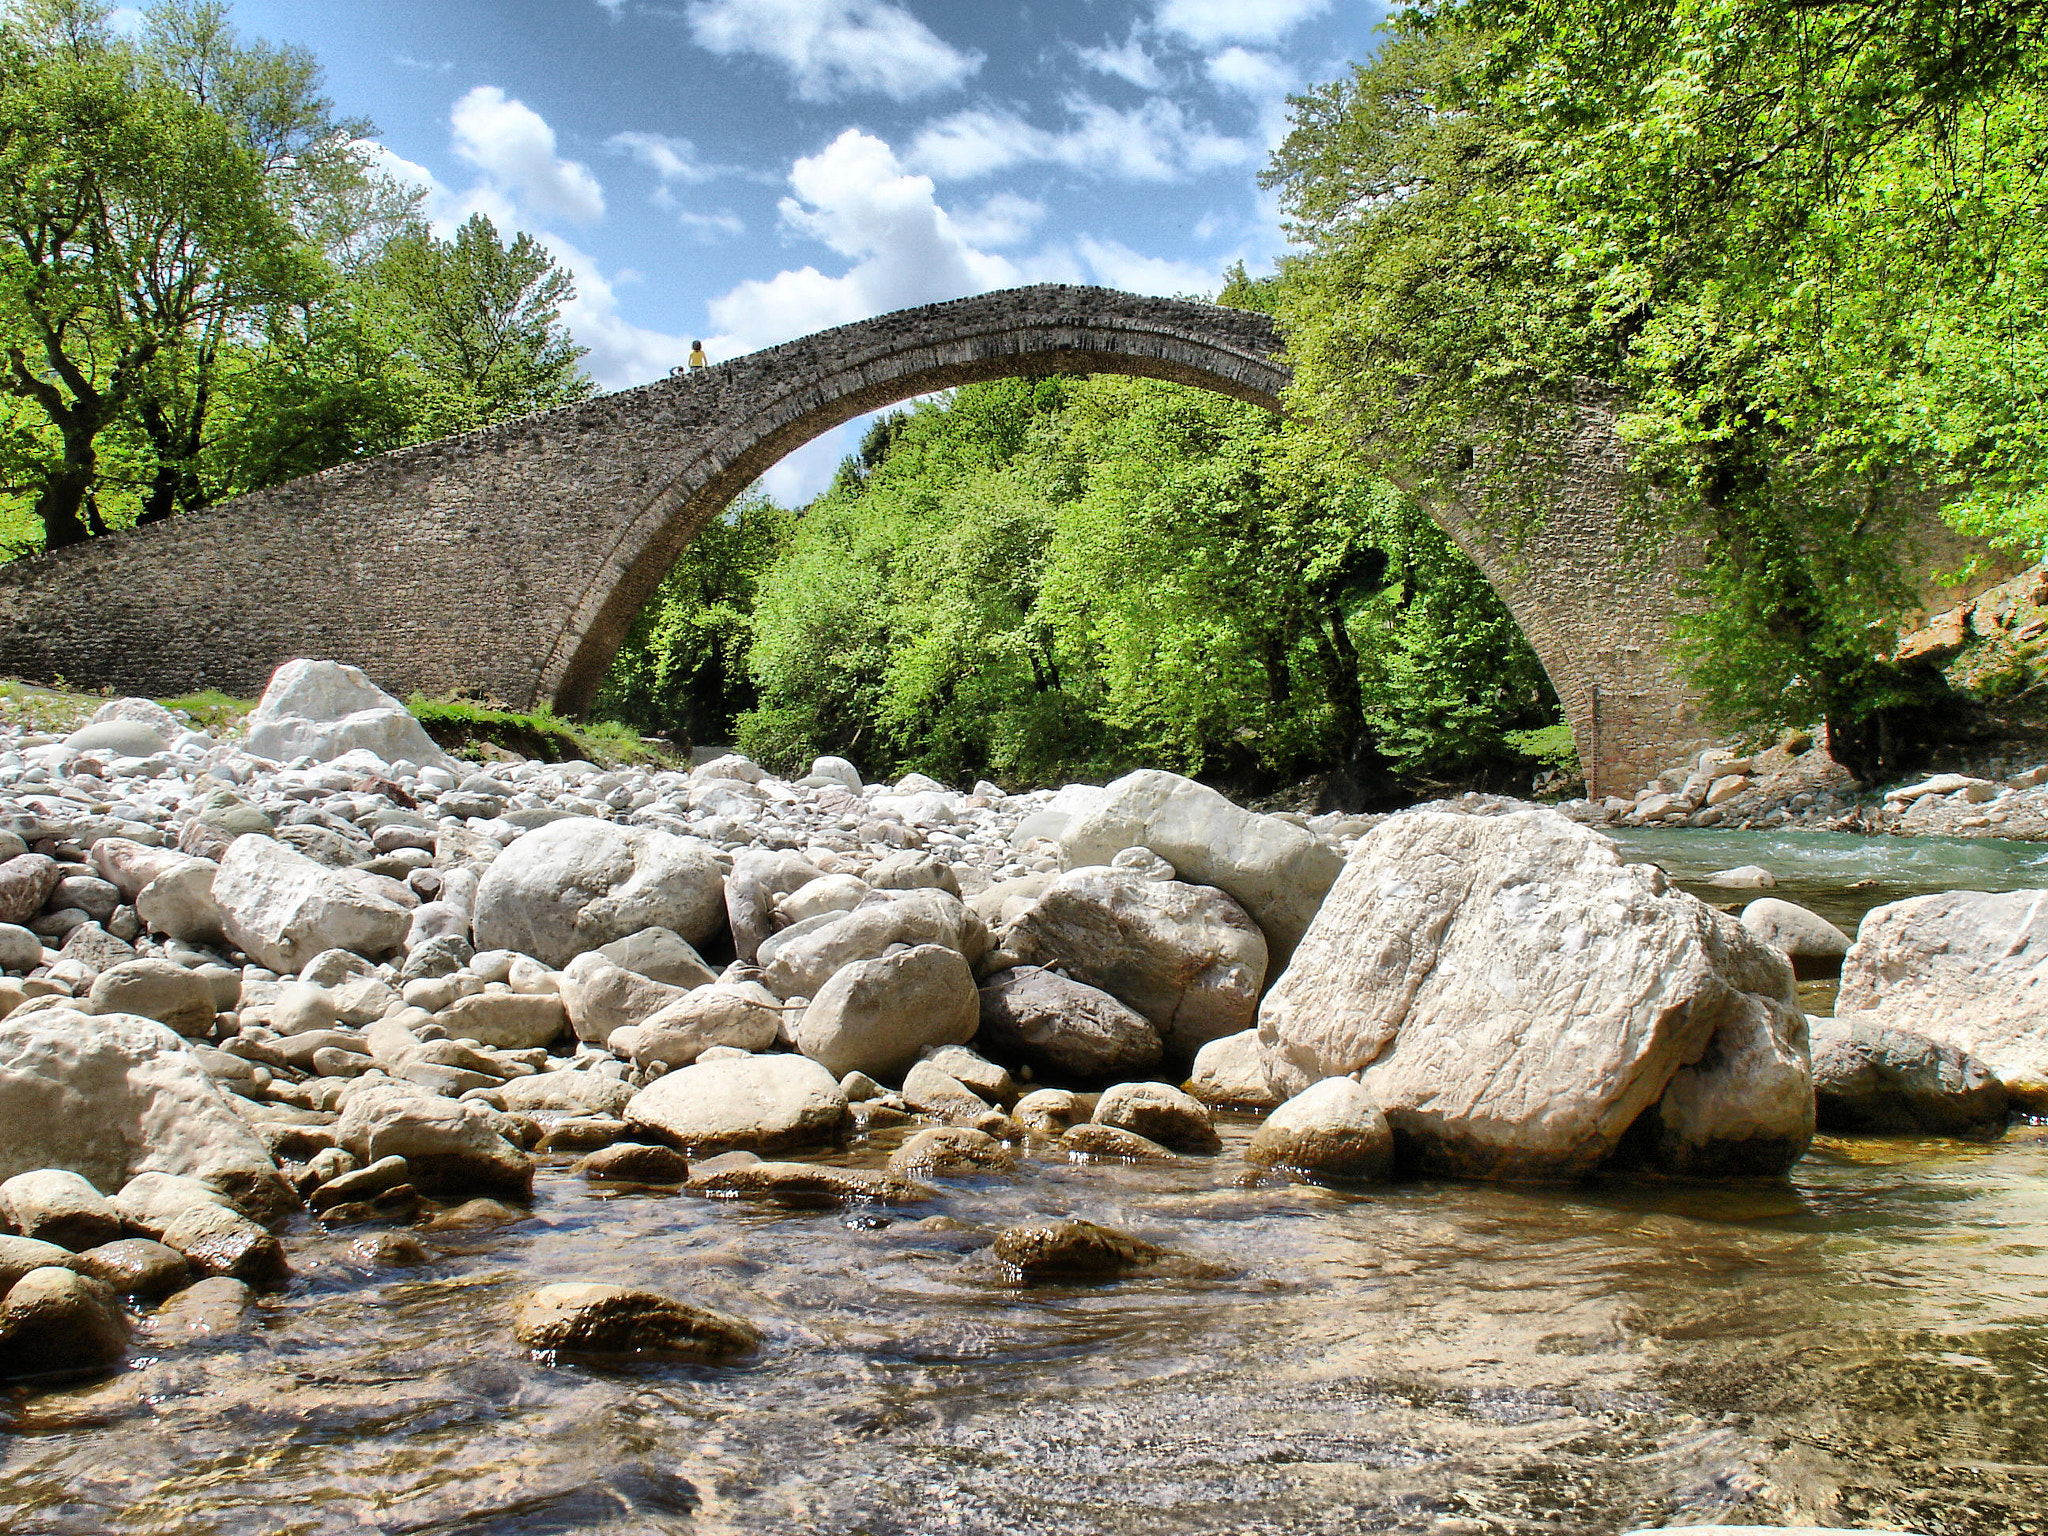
[(746, 171)]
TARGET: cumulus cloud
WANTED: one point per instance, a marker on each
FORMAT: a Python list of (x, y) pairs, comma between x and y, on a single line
[(1153, 141), (1115, 265), (836, 47), (513, 145), (1129, 62), (857, 198), (1206, 23), (1004, 219), (672, 159)]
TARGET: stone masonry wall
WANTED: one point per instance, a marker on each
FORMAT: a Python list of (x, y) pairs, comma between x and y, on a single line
[(508, 563)]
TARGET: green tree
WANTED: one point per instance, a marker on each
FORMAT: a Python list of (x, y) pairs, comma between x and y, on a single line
[(150, 198), (1803, 243), (683, 668), (478, 324)]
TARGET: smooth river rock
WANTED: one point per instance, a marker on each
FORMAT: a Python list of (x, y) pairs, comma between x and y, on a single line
[(1275, 870), (876, 1016), (284, 908), (1968, 969), (584, 1318), (109, 1096), (1058, 1024), (1332, 1129), (1869, 1077), (757, 1103), (1517, 998), (1187, 957), (577, 884)]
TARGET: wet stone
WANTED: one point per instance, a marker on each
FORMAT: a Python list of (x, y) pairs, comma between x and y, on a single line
[(1076, 1248), (806, 1184), (632, 1162), (136, 1266), (1113, 1143), (580, 1319), (951, 1152)]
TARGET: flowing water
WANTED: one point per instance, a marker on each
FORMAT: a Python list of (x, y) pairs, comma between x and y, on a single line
[(1864, 1345)]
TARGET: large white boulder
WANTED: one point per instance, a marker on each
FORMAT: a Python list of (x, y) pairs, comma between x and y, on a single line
[(758, 1103), (800, 965), (577, 884), (112, 1095), (1187, 957), (1967, 969), (322, 709), (1516, 999), (875, 1016), (284, 908), (1274, 869)]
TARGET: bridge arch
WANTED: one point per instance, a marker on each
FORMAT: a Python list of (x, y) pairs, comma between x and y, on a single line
[(511, 561)]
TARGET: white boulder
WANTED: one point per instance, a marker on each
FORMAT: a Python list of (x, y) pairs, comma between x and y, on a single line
[(284, 908), (1967, 969), (1516, 998), (109, 1096), (577, 884), (1275, 870), (322, 709)]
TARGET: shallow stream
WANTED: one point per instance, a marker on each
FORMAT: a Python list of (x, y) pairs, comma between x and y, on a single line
[(1866, 1345)]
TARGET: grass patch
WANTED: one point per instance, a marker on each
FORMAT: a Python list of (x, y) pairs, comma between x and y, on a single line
[(463, 725), (54, 711), (211, 710)]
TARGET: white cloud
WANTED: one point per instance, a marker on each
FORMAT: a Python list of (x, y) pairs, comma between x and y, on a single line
[(1004, 219), (669, 158), (1118, 266), (1206, 23), (722, 225), (426, 66), (1130, 62), (836, 47), (1153, 141), (127, 20), (615, 7), (1259, 76), (514, 146), (856, 197)]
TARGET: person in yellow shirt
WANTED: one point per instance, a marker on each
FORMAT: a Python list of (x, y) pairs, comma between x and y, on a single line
[(698, 361)]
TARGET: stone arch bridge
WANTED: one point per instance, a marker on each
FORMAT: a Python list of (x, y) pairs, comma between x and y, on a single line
[(509, 562)]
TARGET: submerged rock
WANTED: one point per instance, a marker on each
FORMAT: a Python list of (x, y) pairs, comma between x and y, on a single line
[(1075, 1248), (582, 1318), (951, 1152), (807, 1184), (58, 1321), (1159, 1113)]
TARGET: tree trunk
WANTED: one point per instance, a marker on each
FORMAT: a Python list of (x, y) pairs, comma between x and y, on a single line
[(61, 503)]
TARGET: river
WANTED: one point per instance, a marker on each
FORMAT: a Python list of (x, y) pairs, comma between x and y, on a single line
[(1864, 1345)]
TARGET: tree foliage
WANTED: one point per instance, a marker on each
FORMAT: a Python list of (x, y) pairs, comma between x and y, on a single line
[(1804, 242), (1041, 580), (206, 286)]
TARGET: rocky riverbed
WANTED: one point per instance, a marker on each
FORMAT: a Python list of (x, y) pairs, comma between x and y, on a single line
[(320, 1000)]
